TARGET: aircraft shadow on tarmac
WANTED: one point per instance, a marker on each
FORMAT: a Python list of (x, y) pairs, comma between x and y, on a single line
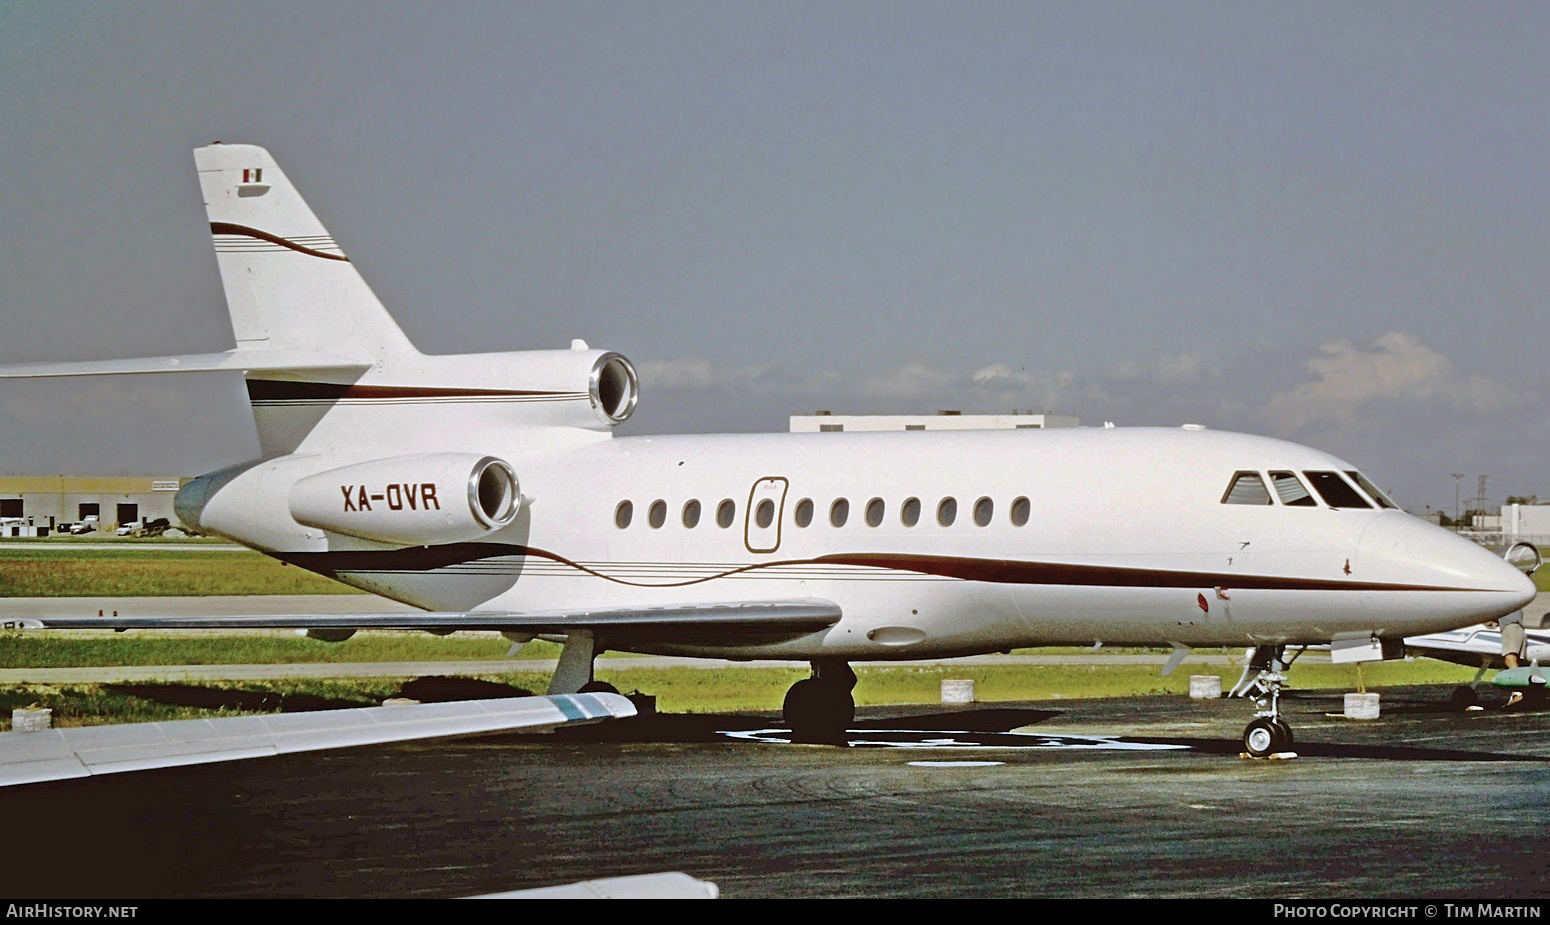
[(979, 729)]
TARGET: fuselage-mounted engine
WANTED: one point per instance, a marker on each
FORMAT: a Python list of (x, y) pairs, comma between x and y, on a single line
[(614, 388), (417, 500)]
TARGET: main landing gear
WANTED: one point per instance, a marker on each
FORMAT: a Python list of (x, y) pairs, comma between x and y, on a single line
[(820, 708), (1268, 733)]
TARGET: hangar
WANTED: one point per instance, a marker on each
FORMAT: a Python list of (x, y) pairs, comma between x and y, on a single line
[(38, 505)]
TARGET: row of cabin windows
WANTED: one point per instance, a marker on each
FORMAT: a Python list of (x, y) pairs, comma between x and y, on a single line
[(1249, 488), (983, 512)]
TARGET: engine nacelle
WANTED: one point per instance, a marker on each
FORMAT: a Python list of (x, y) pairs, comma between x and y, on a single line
[(1524, 556), (419, 500), (614, 388)]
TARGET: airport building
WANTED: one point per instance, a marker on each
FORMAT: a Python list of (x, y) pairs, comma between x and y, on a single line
[(823, 421), (42, 505), (1527, 523)]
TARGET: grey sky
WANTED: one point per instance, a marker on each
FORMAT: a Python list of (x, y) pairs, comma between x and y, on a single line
[(1325, 222)]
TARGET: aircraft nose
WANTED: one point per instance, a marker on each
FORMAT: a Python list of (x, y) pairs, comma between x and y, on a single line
[(1475, 583)]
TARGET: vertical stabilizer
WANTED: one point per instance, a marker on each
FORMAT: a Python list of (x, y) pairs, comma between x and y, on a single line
[(288, 284)]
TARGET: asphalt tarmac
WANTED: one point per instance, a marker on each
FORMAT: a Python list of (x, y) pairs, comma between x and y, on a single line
[(1134, 797)]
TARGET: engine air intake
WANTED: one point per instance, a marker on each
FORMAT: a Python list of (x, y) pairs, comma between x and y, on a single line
[(615, 388)]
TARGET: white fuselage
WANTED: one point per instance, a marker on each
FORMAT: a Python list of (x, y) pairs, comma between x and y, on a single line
[(490, 484), (1124, 539)]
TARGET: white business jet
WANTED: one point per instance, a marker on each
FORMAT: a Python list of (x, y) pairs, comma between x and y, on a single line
[(488, 490)]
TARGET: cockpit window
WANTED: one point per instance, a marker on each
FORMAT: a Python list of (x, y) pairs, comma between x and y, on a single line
[(1291, 490), (1246, 488), (1336, 491), (1371, 489)]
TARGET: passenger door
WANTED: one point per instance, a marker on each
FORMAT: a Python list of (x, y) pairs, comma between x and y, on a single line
[(766, 507)]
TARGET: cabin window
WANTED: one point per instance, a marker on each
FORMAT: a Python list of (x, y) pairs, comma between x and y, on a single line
[(623, 513), (804, 512), (1291, 490), (874, 512), (1335, 491), (947, 511), (1020, 509), (656, 515), (909, 512), (764, 514), (1371, 489), (839, 512), (691, 515), (984, 509), (1246, 488), (726, 512)]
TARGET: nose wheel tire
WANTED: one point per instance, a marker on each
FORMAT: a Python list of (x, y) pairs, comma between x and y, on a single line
[(1266, 737)]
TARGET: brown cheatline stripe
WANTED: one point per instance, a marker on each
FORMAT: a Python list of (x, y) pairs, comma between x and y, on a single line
[(245, 231), (997, 571), (285, 390)]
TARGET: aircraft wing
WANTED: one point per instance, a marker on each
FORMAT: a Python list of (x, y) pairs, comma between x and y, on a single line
[(61, 754), (1475, 646), (731, 623)]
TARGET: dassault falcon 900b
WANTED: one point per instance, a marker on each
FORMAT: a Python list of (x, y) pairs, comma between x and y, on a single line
[(488, 490)]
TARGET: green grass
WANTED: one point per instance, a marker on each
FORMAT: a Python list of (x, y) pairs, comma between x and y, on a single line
[(64, 649), (131, 572), (691, 690)]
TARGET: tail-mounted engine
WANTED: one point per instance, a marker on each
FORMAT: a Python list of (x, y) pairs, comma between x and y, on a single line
[(614, 388), (423, 499)]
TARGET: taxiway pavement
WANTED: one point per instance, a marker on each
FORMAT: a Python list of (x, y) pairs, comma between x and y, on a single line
[(1140, 797)]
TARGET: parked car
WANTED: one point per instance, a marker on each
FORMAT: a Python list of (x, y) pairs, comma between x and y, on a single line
[(129, 529), (87, 524)]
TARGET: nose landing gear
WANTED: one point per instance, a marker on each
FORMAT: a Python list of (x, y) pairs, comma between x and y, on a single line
[(1268, 733)]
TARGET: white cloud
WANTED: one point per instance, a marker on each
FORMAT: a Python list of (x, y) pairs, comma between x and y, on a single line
[(914, 381), (1398, 367), (678, 374)]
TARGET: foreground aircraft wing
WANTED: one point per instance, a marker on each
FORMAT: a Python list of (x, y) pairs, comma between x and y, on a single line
[(61, 754), (671, 885), (737, 622)]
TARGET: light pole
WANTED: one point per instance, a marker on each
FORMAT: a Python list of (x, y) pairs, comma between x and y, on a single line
[(1456, 477)]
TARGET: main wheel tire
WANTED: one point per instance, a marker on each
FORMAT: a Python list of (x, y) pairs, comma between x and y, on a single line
[(1261, 738), (1464, 697), (598, 687), (816, 711), (1284, 739)]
